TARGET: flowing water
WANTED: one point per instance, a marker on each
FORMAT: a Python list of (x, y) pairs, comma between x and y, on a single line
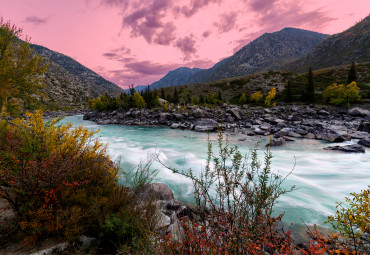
[(322, 177)]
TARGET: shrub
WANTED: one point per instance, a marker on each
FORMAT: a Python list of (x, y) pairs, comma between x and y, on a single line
[(234, 198), (256, 97), (341, 94), (243, 99), (60, 182), (270, 96)]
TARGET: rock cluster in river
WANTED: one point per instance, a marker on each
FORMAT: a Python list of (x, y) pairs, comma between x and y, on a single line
[(283, 122)]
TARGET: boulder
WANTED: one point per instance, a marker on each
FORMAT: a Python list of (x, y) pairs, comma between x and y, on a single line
[(163, 117), (364, 126), (331, 135), (204, 125), (159, 191), (175, 125), (347, 148), (235, 112), (365, 142), (198, 113), (277, 142), (358, 112)]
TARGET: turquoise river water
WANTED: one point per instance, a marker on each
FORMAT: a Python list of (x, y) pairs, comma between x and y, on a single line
[(322, 177)]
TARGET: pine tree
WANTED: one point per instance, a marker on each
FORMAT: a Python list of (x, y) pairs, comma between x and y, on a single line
[(352, 75), (288, 92), (175, 97), (310, 90), (163, 96), (219, 97)]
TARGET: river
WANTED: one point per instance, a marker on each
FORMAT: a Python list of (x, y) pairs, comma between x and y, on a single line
[(322, 177)]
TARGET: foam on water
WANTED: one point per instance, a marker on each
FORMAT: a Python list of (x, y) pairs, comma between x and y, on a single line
[(322, 177)]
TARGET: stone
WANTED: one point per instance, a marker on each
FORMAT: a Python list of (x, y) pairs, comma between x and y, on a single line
[(163, 117), (284, 131), (277, 142), (173, 205), (294, 134), (235, 112), (53, 250), (265, 126), (331, 135), (198, 113), (358, 112), (364, 126), (204, 125), (347, 148), (365, 142), (310, 136), (86, 241), (175, 125), (158, 191), (176, 231), (163, 221)]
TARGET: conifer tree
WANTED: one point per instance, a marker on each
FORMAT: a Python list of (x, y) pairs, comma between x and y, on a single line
[(310, 89), (288, 92), (162, 93), (352, 75), (175, 96)]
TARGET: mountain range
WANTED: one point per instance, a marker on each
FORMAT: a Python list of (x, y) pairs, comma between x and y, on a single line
[(289, 49), (69, 83)]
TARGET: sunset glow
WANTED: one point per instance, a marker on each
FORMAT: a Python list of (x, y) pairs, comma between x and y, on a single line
[(139, 41)]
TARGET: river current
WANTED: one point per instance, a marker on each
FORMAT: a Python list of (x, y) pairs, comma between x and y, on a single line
[(322, 177)]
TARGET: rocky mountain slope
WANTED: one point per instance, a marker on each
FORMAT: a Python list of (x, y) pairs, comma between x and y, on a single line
[(178, 76), (68, 83), (352, 45), (269, 52)]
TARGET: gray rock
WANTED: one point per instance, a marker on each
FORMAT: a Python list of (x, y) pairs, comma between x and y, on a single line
[(204, 125), (163, 221), (284, 131), (198, 113), (86, 241), (331, 135), (277, 142), (56, 248), (294, 134), (177, 232), (347, 148), (358, 112), (365, 142), (236, 113), (163, 117), (310, 136), (175, 125), (364, 126), (158, 191), (265, 126)]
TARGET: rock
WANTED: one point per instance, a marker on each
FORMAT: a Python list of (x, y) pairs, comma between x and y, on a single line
[(175, 125), (294, 134), (265, 126), (323, 112), (364, 126), (235, 112), (198, 113), (358, 112), (359, 135), (310, 136), (294, 108), (173, 205), (276, 121), (284, 131), (277, 142), (204, 125), (162, 101), (163, 117), (56, 248), (176, 231), (86, 241), (347, 148), (365, 142), (163, 220), (331, 135), (158, 191), (179, 116)]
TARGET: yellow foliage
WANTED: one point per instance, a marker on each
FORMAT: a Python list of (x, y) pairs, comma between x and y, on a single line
[(256, 97), (339, 94), (270, 96)]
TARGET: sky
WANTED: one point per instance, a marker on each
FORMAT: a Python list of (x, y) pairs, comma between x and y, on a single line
[(139, 41)]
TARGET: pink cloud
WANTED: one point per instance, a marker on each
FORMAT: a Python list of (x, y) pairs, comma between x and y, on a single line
[(227, 22), (35, 20), (196, 5), (187, 45)]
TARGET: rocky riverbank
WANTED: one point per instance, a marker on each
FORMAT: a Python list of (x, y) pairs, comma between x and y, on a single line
[(283, 122)]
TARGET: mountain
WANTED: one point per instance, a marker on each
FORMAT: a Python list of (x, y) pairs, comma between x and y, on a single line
[(205, 74), (269, 52), (352, 45), (68, 83), (178, 76)]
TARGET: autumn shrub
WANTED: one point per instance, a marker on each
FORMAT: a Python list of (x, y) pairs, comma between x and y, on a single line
[(234, 199), (339, 94), (59, 181), (256, 97), (270, 96)]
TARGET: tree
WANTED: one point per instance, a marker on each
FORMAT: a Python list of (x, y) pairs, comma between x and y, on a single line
[(138, 100), (256, 96), (310, 89), (341, 94), (219, 95), (243, 99), (352, 75), (175, 96), (163, 96), (288, 92), (21, 71), (270, 96), (195, 100)]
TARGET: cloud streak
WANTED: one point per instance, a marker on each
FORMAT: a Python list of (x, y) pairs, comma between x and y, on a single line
[(35, 20)]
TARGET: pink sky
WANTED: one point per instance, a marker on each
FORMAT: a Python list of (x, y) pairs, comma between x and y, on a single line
[(139, 41)]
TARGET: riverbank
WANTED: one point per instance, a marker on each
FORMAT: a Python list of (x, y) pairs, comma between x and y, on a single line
[(282, 122)]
